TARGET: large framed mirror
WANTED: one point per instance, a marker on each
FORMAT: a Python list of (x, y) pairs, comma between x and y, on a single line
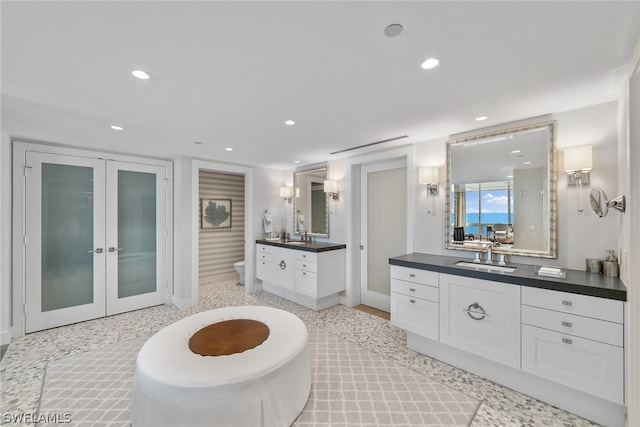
[(501, 190), (311, 205)]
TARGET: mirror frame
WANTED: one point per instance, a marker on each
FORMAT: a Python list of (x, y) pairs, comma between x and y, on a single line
[(300, 171), (551, 182)]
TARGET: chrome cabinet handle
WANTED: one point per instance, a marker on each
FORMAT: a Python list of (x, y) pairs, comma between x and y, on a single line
[(567, 303), (412, 301), (566, 340), (412, 290), (96, 251), (567, 324), (112, 249), (412, 275), (477, 310), (283, 265)]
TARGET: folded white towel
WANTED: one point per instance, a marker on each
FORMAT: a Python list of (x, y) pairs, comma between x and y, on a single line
[(550, 271), (266, 222)]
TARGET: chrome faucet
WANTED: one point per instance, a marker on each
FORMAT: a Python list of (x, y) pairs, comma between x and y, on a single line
[(489, 256)]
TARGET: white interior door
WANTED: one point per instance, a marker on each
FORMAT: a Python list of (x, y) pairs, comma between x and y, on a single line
[(136, 236), (64, 240), (383, 228), (95, 238)]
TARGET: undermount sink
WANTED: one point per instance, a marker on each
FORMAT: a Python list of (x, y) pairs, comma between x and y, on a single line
[(486, 267)]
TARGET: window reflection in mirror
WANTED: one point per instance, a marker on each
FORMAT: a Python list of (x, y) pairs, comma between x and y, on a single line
[(501, 191), (311, 206)]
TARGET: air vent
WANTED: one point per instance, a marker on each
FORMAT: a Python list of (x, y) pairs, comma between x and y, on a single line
[(370, 144)]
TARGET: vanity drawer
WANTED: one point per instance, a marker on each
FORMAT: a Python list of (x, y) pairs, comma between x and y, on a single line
[(416, 290), (589, 366), (307, 256), (306, 266), (415, 315), (264, 249), (414, 275), (582, 305), (585, 327)]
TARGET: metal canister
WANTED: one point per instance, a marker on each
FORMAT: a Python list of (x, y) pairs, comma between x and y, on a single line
[(611, 268), (594, 266)]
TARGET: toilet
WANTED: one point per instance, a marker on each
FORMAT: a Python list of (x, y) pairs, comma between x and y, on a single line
[(239, 266)]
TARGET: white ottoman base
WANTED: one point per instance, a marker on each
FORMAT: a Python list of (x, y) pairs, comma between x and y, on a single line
[(265, 386)]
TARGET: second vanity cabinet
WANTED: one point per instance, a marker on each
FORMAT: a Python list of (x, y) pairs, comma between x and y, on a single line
[(565, 348), (312, 279)]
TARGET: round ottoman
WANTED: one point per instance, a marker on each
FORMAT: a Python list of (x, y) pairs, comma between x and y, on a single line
[(267, 385)]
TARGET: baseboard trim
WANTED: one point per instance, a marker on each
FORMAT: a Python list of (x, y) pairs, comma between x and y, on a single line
[(5, 337), (184, 304)]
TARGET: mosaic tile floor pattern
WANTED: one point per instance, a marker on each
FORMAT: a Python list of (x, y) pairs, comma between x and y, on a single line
[(22, 368), (352, 386)]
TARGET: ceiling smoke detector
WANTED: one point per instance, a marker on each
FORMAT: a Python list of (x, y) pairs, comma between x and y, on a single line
[(393, 30)]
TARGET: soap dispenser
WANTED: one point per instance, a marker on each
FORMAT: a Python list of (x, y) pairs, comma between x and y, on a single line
[(610, 265)]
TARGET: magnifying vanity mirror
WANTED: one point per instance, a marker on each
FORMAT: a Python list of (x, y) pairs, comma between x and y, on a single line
[(501, 191), (600, 205), (311, 205)]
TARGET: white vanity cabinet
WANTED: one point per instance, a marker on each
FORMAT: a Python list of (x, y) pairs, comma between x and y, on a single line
[(481, 317), (312, 279), (414, 300), (264, 262), (575, 340)]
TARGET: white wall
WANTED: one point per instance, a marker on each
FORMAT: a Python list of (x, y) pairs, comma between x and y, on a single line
[(5, 239)]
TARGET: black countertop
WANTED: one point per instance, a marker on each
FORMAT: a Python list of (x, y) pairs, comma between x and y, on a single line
[(577, 282), (303, 246)]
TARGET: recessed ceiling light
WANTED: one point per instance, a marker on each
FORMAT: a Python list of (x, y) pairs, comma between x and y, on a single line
[(515, 151), (289, 123), (527, 163), (393, 30), (228, 149), (430, 63), (197, 142), (296, 161), (142, 75), (114, 127), (481, 118)]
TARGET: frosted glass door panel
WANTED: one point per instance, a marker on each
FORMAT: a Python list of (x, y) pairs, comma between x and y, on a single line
[(136, 236), (67, 236), (383, 228), (136, 233), (64, 240)]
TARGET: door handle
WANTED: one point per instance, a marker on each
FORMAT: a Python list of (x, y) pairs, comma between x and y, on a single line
[(112, 249), (96, 251), (283, 264), (477, 313)]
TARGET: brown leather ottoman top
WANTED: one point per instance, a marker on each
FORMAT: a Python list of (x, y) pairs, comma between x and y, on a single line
[(228, 337)]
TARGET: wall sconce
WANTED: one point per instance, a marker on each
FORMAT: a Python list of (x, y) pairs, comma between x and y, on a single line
[(331, 187), (429, 176), (577, 164), (286, 193)]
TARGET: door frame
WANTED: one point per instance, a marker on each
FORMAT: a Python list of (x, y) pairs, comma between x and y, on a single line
[(249, 240), (352, 207), (19, 264)]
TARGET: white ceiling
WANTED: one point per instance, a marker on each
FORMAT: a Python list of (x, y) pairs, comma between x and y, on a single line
[(229, 74)]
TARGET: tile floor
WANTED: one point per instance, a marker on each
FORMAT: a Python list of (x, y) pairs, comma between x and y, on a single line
[(22, 368)]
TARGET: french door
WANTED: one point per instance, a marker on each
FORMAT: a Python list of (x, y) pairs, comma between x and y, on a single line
[(95, 238), (383, 228)]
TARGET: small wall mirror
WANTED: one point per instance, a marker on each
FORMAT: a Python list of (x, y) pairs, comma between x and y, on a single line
[(501, 190), (311, 205)]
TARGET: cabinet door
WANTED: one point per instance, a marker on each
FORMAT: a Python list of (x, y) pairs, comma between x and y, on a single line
[(264, 270), (306, 283), (586, 365), (415, 315), (283, 267), (481, 317)]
